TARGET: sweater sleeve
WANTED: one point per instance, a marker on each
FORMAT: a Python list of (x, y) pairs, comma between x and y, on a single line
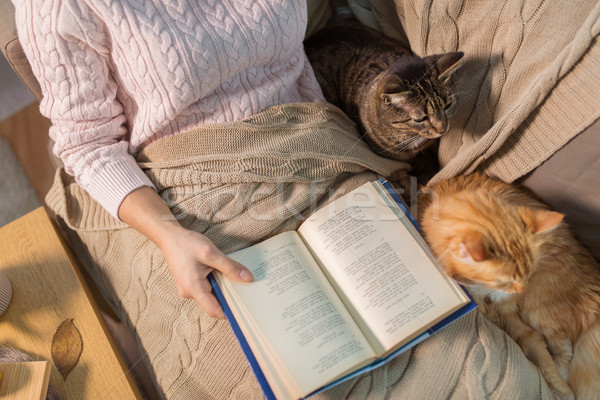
[(69, 52)]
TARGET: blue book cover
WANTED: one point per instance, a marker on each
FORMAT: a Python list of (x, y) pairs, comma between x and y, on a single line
[(266, 388)]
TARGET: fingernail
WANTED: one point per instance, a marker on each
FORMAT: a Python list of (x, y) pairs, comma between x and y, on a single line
[(245, 274)]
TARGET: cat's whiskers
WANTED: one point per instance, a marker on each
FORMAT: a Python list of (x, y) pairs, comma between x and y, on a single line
[(407, 143), (412, 143), (452, 86), (456, 94), (403, 134)]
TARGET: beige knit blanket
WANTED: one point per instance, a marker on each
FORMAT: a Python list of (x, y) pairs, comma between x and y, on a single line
[(528, 83), (239, 183)]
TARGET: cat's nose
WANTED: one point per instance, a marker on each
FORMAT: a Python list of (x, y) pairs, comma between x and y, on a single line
[(439, 126), (517, 287)]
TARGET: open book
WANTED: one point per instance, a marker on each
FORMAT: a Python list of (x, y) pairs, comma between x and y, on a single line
[(352, 288)]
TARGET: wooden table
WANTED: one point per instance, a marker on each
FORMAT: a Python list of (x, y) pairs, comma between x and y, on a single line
[(47, 290)]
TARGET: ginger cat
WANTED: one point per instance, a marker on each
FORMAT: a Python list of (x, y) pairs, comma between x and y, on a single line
[(525, 270)]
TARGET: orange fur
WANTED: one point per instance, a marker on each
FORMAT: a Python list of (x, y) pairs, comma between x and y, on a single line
[(526, 271)]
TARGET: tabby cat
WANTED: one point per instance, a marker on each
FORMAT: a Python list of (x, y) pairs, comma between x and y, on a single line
[(401, 102), (525, 270)]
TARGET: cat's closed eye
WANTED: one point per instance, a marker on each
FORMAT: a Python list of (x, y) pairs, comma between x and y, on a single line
[(401, 122), (421, 119)]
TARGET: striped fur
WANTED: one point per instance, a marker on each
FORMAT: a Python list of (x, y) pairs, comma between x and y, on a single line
[(401, 102)]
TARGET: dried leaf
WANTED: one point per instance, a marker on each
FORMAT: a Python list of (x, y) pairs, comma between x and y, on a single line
[(67, 346)]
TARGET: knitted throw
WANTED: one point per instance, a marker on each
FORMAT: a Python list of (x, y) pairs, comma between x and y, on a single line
[(529, 81), (239, 183)]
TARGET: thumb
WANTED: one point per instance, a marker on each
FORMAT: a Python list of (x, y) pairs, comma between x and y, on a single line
[(232, 269)]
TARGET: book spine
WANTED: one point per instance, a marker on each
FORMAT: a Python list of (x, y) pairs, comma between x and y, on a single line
[(401, 204), (260, 376)]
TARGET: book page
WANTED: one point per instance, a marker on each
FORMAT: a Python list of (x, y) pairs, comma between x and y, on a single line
[(301, 321), (386, 276), (281, 383)]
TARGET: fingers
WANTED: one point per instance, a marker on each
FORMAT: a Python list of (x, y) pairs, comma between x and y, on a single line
[(210, 305), (191, 257), (230, 268), (201, 291)]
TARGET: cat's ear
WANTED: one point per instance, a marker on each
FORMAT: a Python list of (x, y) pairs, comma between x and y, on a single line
[(471, 250), (392, 84), (396, 99), (393, 90), (444, 64), (545, 221)]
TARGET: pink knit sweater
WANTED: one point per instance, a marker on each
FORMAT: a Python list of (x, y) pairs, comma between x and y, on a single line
[(118, 75)]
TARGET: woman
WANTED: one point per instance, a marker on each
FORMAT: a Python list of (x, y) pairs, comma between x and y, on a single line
[(116, 78)]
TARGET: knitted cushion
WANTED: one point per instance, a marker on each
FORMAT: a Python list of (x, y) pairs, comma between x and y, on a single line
[(12, 50)]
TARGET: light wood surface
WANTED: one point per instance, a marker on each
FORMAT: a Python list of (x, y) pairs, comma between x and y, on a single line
[(24, 380), (47, 290)]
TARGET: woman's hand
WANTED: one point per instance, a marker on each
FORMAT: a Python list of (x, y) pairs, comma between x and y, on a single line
[(190, 255)]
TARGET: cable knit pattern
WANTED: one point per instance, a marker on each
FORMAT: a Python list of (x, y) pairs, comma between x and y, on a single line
[(257, 179), (528, 83), (118, 75)]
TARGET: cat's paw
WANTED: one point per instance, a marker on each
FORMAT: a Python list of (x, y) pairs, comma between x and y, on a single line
[(401, 182)]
